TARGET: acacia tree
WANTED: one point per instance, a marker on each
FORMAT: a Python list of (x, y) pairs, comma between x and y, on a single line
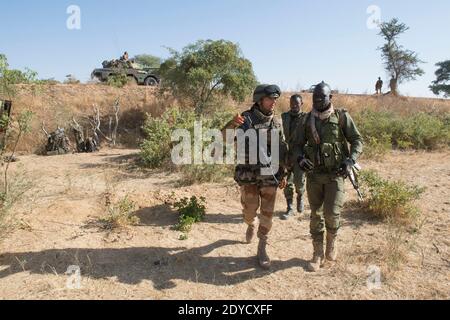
[(442, 83), (148, 60), (401, 64), (208, 69)]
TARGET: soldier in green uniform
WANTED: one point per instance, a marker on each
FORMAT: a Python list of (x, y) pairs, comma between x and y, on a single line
[(259, 188), (296, 176), (379, 86), (325, 156)]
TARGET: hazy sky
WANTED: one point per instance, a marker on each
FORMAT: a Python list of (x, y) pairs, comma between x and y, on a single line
[(292, 43)]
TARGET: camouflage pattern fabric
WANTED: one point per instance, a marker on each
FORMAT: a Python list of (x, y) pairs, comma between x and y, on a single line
[(324, 188), (254, 197), (296, 177)]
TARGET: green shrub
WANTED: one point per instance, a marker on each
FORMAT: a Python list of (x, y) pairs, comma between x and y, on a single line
[(117, 80), (191, 211), (377, 147), (120, 214), (157, 146), (385, 130), (390, 200), (50, 82), (422, 131)]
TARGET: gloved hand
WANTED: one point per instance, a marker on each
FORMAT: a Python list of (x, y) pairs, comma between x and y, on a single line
[(305, 164), (346, 168)]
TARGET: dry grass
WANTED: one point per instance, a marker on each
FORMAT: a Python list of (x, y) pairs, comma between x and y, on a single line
[(120, 215), (19, 185), (355, 103), (57, 104)]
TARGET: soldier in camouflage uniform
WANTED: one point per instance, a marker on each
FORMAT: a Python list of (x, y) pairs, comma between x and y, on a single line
[(295, 177), (259, 190), (325, 156)]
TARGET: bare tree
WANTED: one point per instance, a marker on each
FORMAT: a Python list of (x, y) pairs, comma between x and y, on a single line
[(90, 144), (77, 130), (114, 117), (57, 141)]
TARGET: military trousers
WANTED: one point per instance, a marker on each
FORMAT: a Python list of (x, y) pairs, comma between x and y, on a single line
[(296, 179), (326, 195), (254, 197)]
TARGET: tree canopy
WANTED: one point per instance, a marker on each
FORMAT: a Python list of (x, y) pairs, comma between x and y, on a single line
[(208, 69), (11, 77), (148, 60), (442, 83)]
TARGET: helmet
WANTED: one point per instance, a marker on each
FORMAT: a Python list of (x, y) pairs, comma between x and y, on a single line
[(266, 90), (322, 97)]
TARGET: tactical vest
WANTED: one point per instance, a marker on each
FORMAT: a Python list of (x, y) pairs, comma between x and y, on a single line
[(332, 150), (246, 174), (289, 128)]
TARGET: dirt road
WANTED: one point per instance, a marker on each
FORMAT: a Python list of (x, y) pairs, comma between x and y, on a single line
[(57, 236)]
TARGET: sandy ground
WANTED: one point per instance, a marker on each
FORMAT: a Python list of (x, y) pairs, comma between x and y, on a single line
[(149, 261)]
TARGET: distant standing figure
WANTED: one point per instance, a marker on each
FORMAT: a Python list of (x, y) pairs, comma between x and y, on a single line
[(124, 57), (379, 86)]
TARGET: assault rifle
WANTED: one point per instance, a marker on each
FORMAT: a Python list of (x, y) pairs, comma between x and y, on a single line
[(353, 177)]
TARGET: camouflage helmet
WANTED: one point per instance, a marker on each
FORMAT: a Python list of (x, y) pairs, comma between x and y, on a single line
[(266, 90)]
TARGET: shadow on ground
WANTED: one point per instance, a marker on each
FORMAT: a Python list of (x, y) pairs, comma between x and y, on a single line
[(355, 217), (127, 165), (164, 216), (133, 265)]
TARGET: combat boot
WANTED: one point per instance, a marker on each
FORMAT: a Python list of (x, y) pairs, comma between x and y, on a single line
[(318, 257), (300, 204), (290, 210), (331, 252), (250, 234), (263, 258)]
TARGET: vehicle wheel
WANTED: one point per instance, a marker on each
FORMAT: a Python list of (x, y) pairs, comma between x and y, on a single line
[(150, 81)]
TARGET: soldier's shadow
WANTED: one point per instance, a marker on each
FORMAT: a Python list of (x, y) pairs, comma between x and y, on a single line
[(133, 265), (164, 216)]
